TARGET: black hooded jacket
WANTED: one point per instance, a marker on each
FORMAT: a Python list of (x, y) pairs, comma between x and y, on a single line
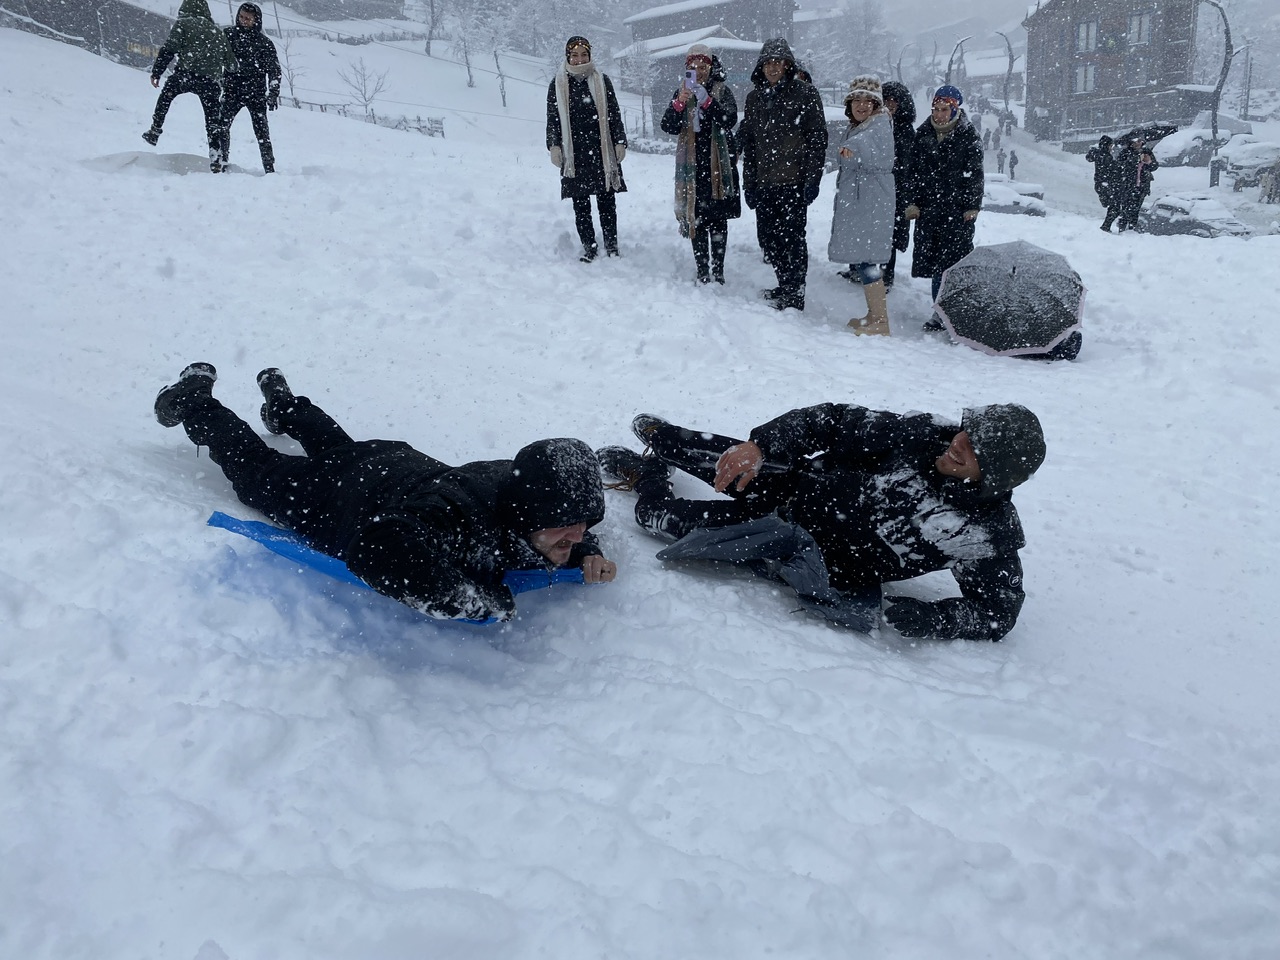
[(865, 485), (783, 134), (904, 135), (441, 538), (257, 64)]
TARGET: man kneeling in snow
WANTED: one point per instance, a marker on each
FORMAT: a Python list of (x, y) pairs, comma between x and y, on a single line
[(435, 537), (836, 500)]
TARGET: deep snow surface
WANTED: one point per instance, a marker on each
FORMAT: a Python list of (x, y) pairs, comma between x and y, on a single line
[(207, 754)]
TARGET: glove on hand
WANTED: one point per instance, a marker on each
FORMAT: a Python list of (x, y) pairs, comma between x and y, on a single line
[(811, 191), (914, 618), (273, 97), (620, 151), (557, 157)]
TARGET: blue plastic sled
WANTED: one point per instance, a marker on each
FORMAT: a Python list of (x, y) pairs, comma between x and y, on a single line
[(291, 546)]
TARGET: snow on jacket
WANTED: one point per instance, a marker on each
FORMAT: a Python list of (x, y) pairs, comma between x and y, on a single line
[(865, 486), (441, 538), (946, 180), (197, 43), (589, 178), (721, 114), (862, 224), (783, 134), (257, 63)]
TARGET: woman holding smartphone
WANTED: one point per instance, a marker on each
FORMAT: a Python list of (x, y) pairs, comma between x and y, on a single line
[(702, 115)]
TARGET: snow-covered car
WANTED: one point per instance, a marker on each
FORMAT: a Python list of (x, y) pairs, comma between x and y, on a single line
[(1024, 187), (1246, 165), (1189, 148), (1000, 198), (1192, 213)]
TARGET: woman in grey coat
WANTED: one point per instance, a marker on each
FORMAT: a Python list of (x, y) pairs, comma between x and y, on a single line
[(862, 225)]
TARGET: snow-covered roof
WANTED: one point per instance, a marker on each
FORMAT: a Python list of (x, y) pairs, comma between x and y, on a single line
[(991, 64), (670, 8), (812, 16), (677, 44)]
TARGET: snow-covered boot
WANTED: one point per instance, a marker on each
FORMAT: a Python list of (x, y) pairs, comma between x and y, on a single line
[(876, 322), (152, 136), (629, 470), (175, 402), (278, 396)]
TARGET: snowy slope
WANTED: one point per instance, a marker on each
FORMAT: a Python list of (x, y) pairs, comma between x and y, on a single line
[(208, 754)]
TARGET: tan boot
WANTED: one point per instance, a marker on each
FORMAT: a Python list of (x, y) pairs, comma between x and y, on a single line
[(876, 322)]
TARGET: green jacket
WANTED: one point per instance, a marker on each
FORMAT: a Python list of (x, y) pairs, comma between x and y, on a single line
[(199, 44)]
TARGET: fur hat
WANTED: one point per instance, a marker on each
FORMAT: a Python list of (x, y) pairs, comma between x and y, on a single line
[(576, 42), (867, 87), (699, 51)]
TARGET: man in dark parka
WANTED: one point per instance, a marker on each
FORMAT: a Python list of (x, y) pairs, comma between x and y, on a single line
[(1104, 178), (886, 497), (783, 140), (902, 109), (945, 187), (255, 84), (203, 56), (435, 537)]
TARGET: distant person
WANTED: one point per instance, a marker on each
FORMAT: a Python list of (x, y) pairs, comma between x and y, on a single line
[(1000, 158), (435, 537), (783, 139), (1102, 156), (946, 187), (254, 85), (1135, 169), (902, 111), (204, 56), (995, 140), (702, 115), (587, 143), (986, 139), (1013, 164), (862, 221), (884, 497)]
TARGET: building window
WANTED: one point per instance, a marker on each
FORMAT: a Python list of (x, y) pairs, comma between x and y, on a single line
[(1139, 28), (1087, 36), (1085, 75)]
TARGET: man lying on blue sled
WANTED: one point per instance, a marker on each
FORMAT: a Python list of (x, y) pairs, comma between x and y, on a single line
[(435, 537), (836, 500)]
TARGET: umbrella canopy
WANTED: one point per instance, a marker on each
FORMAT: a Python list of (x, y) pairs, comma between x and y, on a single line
[(1147, 132), (1014, 299)]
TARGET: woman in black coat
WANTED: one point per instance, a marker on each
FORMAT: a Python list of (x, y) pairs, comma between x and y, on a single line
[(902, 109), (946, 184), (590, 159), (703, 113)]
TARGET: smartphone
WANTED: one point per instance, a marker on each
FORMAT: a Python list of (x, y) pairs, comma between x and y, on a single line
[(690, 79)]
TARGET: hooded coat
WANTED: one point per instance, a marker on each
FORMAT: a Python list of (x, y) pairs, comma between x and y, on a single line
[(721, 115), (946, 180), (435, 537), (199, 45), (589, 172), (904, 135), (783, 135), (862, 223), (1104, 170), (257, 64)]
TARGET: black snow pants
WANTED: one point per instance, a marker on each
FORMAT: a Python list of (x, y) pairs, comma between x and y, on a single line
[(607, 204), (210, 94), (781, 219), (710, 238), (257, 107)]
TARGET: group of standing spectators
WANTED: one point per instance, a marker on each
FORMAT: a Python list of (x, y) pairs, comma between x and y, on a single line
[(1122, 178), (890, 172), (228, 69)]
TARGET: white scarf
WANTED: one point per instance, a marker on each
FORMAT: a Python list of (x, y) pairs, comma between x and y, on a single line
[(595, 82)]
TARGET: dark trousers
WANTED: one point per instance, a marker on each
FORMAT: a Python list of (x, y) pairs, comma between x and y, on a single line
[(710, 238), (607, 204), (257, 107), (210, 94), (1130, 207), (276, 484), (781, 218)]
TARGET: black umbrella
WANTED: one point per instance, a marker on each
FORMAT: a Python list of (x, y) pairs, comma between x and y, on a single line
[(1147, 132), (1014, 299)]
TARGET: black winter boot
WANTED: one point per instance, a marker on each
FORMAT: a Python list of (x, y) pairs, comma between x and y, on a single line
[(628, 469), (174, 402), (152, 136), (275, 390)]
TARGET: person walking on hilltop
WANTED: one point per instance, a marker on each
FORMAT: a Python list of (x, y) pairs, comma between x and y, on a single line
[(862, 222), (203, 57), (783, 138), (255, 84), (587, 143), (702, 115)]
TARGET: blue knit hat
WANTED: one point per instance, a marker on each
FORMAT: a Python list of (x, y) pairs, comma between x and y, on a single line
[(953, 94)]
